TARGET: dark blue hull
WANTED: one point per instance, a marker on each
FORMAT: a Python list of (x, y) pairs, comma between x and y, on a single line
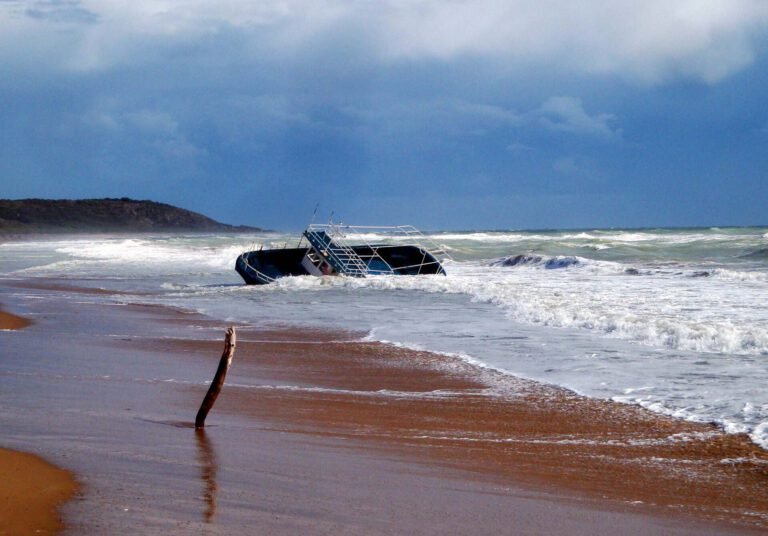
[(264, 266)]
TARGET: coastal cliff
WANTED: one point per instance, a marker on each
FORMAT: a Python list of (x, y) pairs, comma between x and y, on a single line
[(103, 216)]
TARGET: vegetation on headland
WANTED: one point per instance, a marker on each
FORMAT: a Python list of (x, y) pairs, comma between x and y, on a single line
[(103, 216)]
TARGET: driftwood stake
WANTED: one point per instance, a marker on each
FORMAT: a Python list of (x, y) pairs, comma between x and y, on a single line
[(218, 379)]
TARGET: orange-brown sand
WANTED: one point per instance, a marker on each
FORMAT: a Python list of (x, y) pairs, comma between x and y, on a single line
[(445, 412), (11, 321), (31, 490), (466, 424)]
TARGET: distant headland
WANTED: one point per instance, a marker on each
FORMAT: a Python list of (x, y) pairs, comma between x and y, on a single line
[(24, 216)]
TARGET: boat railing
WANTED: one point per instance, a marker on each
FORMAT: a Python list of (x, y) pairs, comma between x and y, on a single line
[(424, 242), (398, 233), (359, 265), (330, 243), (254, 269)]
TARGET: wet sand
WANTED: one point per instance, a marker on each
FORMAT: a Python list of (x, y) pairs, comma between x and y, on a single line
[(317, 432), (500, 429), (11, 321), (31, 490)]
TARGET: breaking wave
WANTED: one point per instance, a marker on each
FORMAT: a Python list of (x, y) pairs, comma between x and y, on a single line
[(549, 263), (761, 253)]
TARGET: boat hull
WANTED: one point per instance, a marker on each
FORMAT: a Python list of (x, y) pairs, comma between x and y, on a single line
[(264, 266)]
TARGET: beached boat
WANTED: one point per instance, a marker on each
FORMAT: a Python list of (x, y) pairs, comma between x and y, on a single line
[(324, 249)]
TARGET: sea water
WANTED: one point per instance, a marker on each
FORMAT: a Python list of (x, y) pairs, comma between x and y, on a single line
[(674, 320)]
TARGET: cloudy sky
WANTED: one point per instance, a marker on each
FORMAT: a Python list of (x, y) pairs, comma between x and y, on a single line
[(447, 114)]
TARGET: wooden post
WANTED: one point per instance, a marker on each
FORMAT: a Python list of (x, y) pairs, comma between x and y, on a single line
[(218, 379)]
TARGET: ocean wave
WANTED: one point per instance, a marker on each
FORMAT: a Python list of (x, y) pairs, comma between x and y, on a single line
[(723, 274), (657, 311), (622, 320), (739, 275), (549, 263), (761, 253), (385, 393), (600, 237), (753, 425), (760, 434), (130, 256), (661, 308), (151, 252)]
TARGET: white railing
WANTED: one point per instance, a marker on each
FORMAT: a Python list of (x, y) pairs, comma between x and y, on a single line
[(398, 233), (383, 237), (336, 251)]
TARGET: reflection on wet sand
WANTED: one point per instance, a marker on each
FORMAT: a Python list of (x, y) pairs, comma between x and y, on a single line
[(208, 468)]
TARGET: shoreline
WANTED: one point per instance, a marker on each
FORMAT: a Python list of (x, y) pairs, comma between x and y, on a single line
[(31, 493), (32, 490), (10, 321), (317, 430), (502, 429), (43, 236)]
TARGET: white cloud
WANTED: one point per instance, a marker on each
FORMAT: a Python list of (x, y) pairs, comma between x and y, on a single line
[(108, 116), (484, 112), (651, 41), (269, 108), (64, 11), (435, 118), (155, 128), (179, 148), (566, 165), (153, 122), (518, 148), (567, 114)]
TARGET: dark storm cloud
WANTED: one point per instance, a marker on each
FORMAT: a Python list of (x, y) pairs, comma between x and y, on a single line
[(613, 113)]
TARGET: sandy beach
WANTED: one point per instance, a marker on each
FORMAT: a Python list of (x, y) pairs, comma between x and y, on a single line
[(10, 321), (30, 494), (503, 430), (31, 489), (318, 432)]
